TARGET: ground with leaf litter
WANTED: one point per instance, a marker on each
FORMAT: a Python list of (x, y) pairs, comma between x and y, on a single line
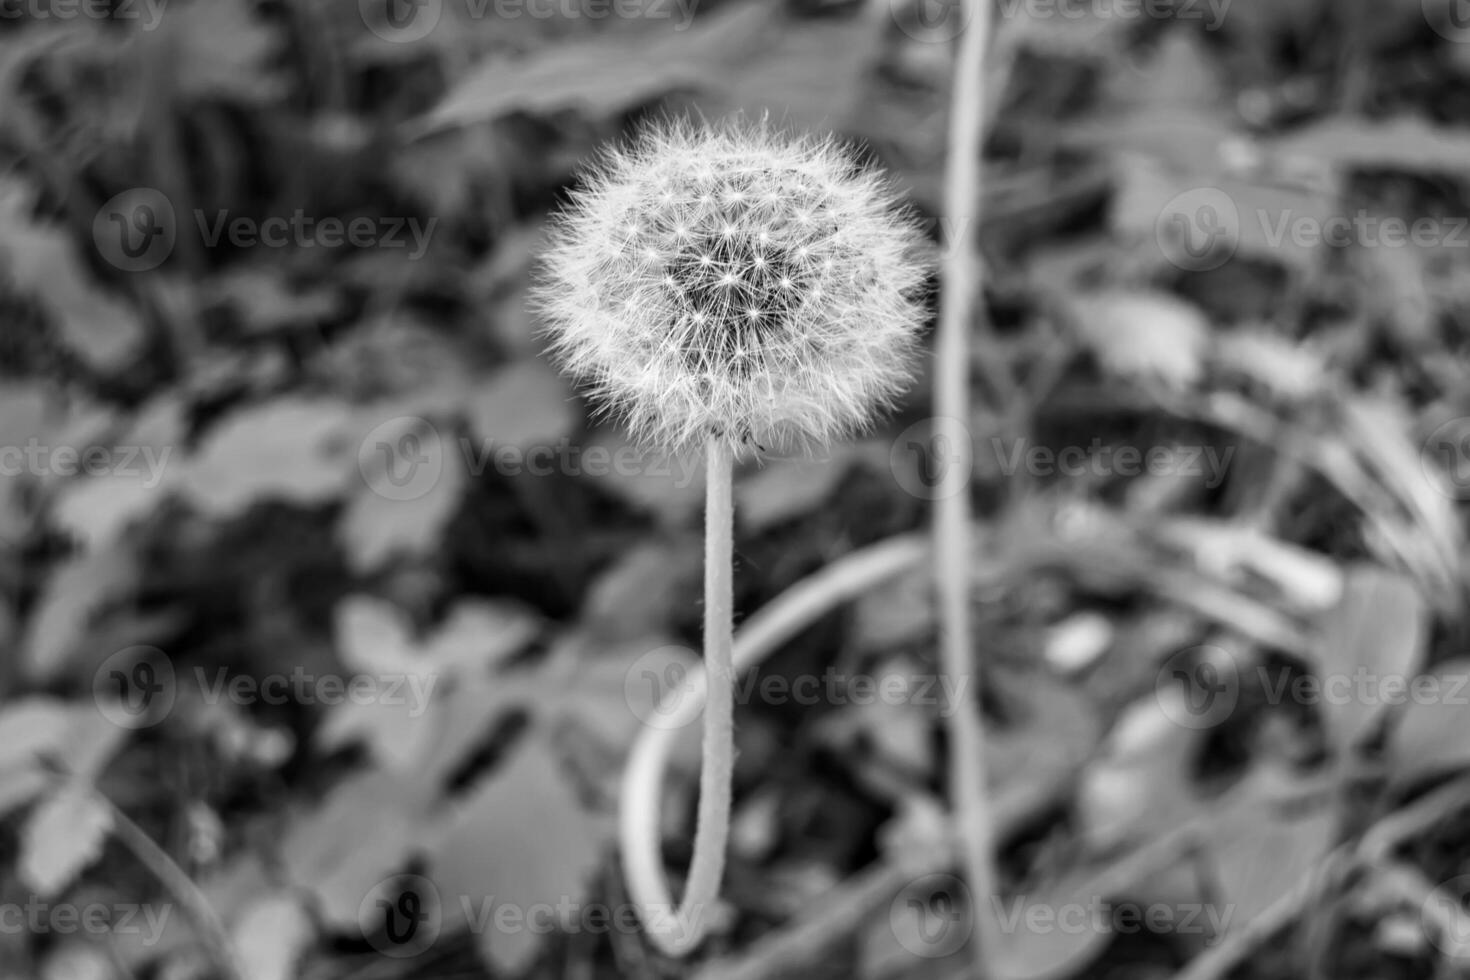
[(314, 467)]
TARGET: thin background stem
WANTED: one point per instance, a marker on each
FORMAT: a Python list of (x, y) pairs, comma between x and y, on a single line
[(212, 932), (959, 309)]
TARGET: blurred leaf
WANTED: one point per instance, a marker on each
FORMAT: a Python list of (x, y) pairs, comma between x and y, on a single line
[(291, 449), (1433, 732), (98, 328), (785, 489), (374, 635), (62, 837), (1288, 370), (521, 839), (23, 415), (1141, 786), (1077, 642), (480, 634), (365, 831), (20, 787), (896, 612), (639, 591), (271, 936), (1407, 144), (33, 729), (97, 508), (1053, 728), (397, 729), (1024, 953), (1379, 430), (375, 527), (75, 592), (602, 75), (670, 487), (524, 405), (1260, 852), (1376, 631), (1179, 75), (77, 961), (611, 690), (217, 50), (39, 732), (398, 725), (1238, 554), (811, 74), (1143, 335)]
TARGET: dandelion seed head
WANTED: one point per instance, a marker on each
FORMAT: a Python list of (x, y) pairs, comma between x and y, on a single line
[(734, 281)]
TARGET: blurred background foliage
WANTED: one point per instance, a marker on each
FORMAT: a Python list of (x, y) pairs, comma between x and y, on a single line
[(260, 375)]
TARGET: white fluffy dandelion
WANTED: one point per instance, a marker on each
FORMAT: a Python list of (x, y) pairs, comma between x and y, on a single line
[(732, 287), (734, 282)]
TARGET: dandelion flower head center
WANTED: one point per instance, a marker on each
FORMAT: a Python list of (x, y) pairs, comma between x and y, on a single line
[(728, 267), (734, 282)]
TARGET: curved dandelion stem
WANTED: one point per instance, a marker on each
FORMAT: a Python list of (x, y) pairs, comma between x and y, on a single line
[(681, 932)]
